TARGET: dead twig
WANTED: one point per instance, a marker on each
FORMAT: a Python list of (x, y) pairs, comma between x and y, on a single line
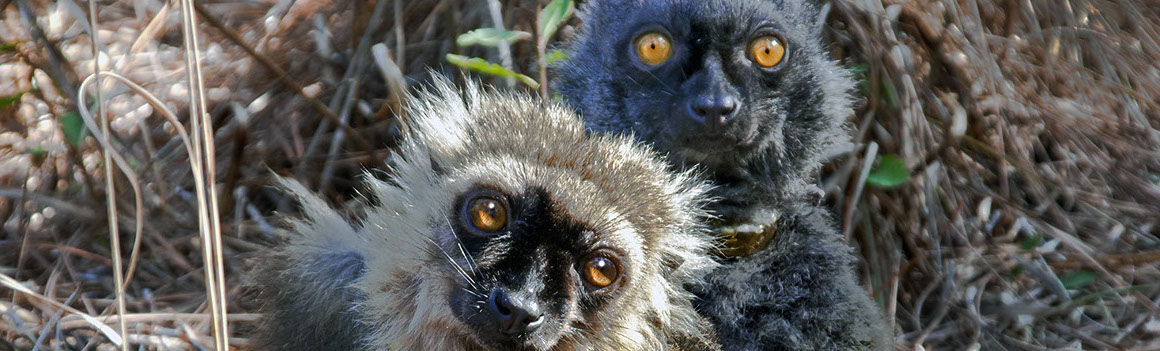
[(282, 76)]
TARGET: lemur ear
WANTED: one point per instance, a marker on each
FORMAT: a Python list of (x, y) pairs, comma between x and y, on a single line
[(823, 14)]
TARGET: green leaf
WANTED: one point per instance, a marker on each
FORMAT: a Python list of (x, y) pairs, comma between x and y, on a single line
[(491, 37), (483, 66), (7, 101), (74, 128), (864, 87), (9, 46), (858, 71), (37, 155), (552, 15), (889, 93), (1031, 242), (555, 56), (36, 152), (1077, 279), (890, 172)]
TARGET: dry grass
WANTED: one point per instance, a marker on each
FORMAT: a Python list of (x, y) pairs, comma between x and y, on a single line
[(1030, 129)]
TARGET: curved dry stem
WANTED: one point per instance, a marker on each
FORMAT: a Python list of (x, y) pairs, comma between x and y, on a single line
[(99, 133), (156, 103)]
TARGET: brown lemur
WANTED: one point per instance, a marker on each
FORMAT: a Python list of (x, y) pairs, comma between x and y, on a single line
[(504, 225), (744, 91)]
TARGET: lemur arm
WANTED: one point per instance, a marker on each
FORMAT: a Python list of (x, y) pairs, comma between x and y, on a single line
[(309, 299)]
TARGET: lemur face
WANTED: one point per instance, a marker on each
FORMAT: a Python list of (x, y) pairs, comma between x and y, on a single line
[(534, 273), (734, 87), (712, 82), (509, 227), (711, 91)]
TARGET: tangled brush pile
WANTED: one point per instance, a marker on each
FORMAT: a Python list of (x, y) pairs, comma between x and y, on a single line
[(1002, 187)]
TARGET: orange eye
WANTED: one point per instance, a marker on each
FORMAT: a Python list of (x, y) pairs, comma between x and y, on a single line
[(487, 214), (653, 48), (767, 51), (600, 271)]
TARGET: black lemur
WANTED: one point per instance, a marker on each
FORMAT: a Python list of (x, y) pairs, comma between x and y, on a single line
[(744, 91)]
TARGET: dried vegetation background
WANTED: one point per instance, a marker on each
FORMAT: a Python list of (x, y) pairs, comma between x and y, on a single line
[(1030, 131)]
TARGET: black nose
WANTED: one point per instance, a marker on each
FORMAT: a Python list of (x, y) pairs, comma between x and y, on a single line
[(512, 315), (714, 111)]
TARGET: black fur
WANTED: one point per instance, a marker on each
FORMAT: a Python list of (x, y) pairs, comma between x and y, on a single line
[(800, 293), (318, 315)]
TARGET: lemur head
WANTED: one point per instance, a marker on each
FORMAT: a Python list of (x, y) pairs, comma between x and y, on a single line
[(507, 226), (742, 88)]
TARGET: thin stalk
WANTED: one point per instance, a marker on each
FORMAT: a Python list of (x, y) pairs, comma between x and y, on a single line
[(203, 166), (110, 187), (505, 50)]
